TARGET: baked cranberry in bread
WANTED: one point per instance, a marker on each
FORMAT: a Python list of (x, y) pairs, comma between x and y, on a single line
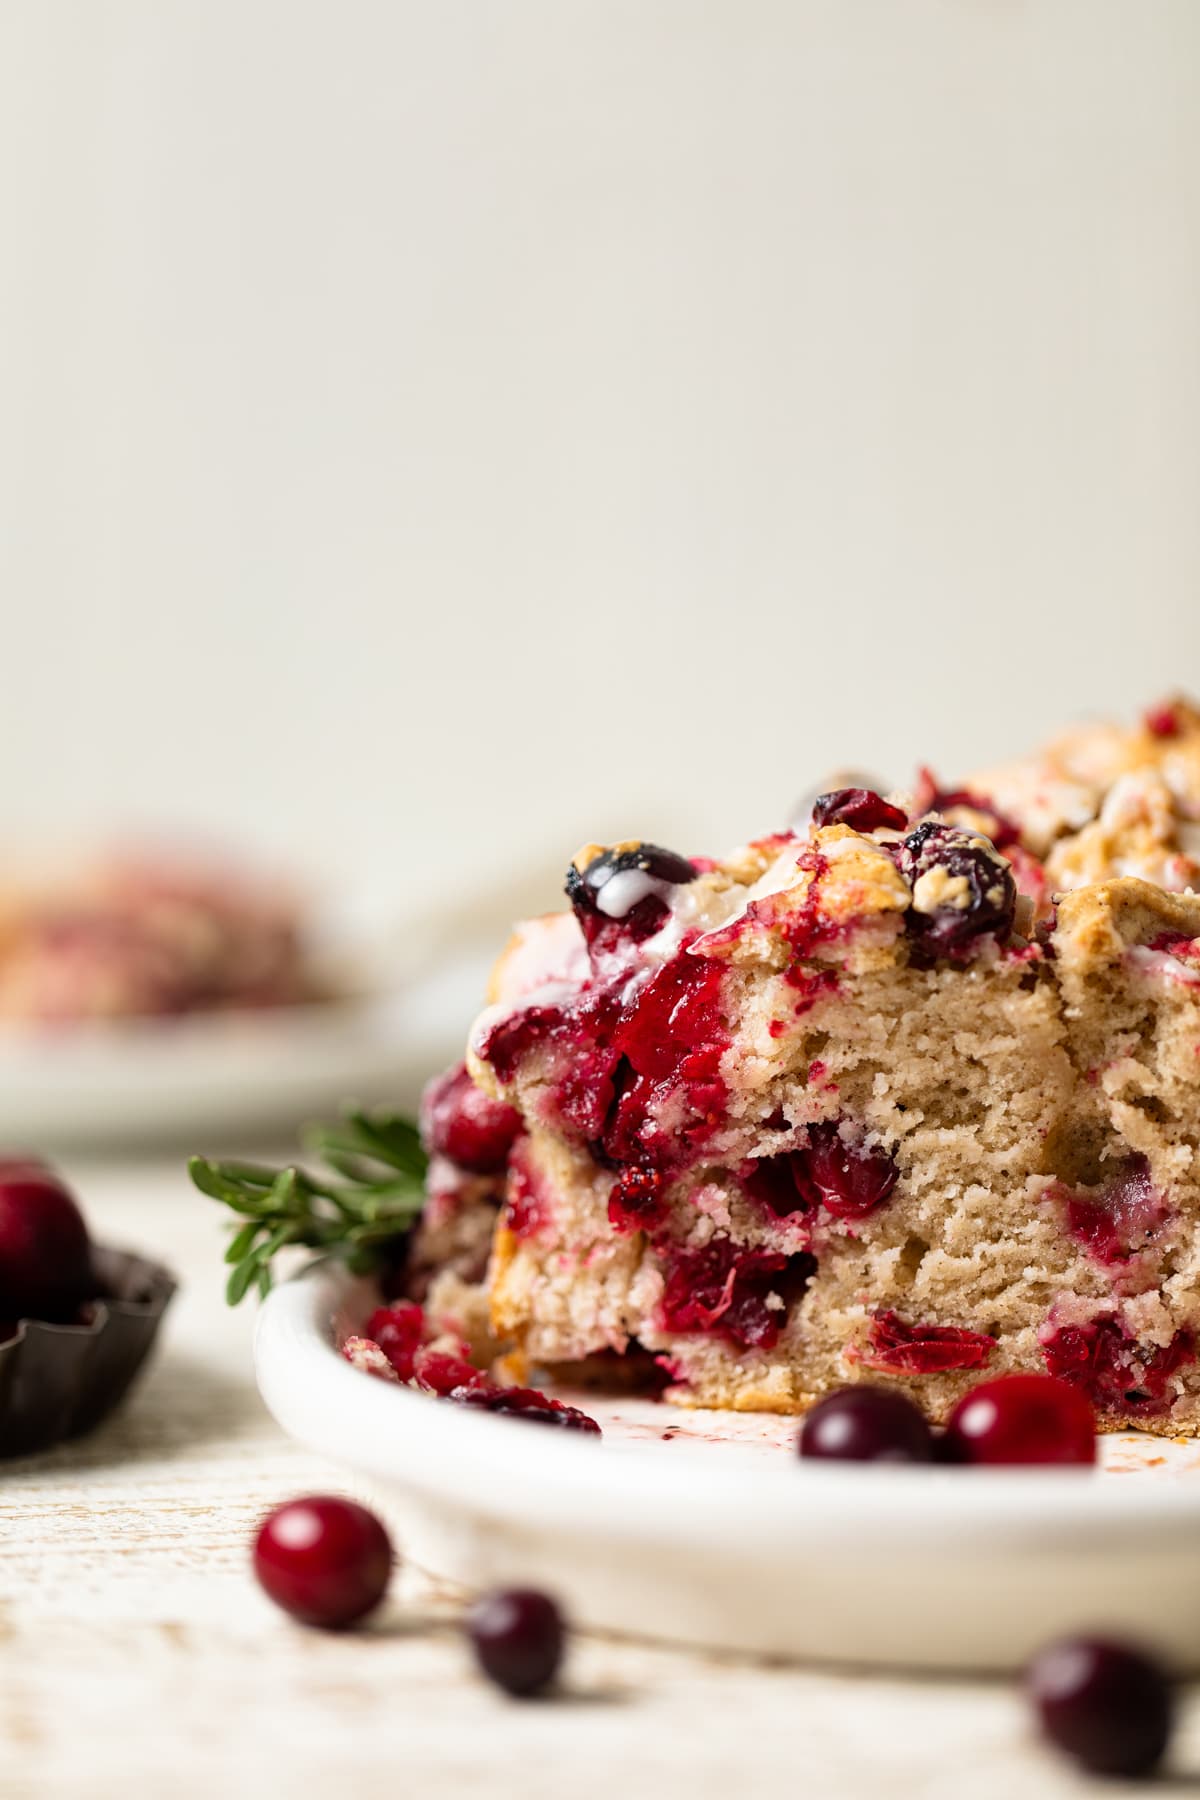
[(907, 1096)]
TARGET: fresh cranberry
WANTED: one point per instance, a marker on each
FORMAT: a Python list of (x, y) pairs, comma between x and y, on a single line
[(524, 1403), (1117, 1373), (440, 1372), (1022, 1419), (861, 808), (866, 1424), (398, 1330), (45, 1251), (1106, 1704), (962, 887), (623, 892), (847, 1179), (518, 1636), (324, 1560), (896, 1347), (460, 1121)]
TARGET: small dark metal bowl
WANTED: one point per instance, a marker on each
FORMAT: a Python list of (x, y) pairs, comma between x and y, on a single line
[(58, 1381)]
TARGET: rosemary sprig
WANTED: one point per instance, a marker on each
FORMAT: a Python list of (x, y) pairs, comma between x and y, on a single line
[(373, 1192)]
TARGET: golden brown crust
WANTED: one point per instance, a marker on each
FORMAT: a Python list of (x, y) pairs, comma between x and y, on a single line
[(508, 1312), (1096, 925), (1101, 802)]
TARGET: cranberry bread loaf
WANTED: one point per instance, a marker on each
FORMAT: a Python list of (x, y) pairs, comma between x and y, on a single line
[(859, 1103)]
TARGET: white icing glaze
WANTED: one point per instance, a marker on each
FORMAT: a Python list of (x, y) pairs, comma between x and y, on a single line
[(627, 889), (554, 993), (542, 950), (726, 910), (1161, 962)]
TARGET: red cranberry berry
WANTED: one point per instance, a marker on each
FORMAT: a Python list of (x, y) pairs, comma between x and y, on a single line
[(666, 1047), (45, 1252), (636, 1202), (517, 1635), (440, 1371), (866, 1424), (897, 1346), (523, 1403), (324, 1560), (1115, 1371), (1123, 1218), (741, 1294), (1164, 721), (398, 1330), (859, 807), (962, 886), (773, 1181), (1106, 1704), (847, 1179), (626, 887), (472, 1128), (1022, 1419)]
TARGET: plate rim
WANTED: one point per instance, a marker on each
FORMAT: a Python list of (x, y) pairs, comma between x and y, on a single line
[(567, 1481)]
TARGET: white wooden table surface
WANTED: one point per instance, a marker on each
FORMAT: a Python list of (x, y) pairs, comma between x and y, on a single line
[(138, 1657)]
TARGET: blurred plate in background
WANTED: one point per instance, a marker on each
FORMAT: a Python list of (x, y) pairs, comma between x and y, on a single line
[(212, 1078)]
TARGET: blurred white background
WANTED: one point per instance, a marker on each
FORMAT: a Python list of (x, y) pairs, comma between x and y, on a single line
[(433, 434)]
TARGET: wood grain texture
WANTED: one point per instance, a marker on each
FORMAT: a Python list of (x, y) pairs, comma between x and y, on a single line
[(137, 1657)]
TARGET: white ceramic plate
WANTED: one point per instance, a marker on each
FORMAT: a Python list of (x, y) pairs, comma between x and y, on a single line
[(704, 1527), (223, 1075)]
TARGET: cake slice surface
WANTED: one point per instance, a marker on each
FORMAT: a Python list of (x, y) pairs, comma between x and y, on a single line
[(892, 1098)]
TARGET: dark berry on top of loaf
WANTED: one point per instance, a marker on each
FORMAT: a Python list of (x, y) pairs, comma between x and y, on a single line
[(862, 808), (961, 885), (626, 888)]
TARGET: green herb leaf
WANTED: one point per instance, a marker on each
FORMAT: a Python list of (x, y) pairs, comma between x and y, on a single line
[(358, 1212), (242, 1242), (239, 1282)]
